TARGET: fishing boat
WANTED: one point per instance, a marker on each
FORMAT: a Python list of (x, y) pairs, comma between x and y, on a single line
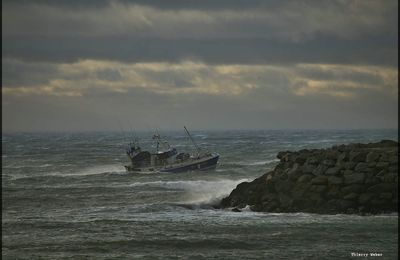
[(167, 158)]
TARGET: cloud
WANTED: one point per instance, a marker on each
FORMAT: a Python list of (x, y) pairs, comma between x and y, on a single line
[(295, 31), (87, 77), (294, 20), (214, 64)]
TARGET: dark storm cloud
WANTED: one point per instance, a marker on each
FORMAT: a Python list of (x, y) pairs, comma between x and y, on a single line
[(17, 73), (345, 32), (325, 49), (161, 4)]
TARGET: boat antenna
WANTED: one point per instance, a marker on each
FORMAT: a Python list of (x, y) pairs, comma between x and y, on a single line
[(197, 148), (135, 139)]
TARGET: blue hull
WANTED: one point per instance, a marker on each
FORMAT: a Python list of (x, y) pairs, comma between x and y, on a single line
[(203, 165)]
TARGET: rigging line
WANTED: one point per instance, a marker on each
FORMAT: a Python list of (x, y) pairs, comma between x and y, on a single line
[(135, 139), (197, 147)]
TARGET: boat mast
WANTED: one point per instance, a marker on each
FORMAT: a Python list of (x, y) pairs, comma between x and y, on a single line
[(197, 148)]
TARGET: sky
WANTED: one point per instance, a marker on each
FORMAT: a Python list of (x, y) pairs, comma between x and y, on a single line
[(211, 64)]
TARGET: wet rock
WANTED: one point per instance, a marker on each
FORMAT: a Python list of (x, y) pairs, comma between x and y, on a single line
[(372, 156), (305, 178), (355, 178), (382, 187), (328, 162), (312, 160), (361, 167), (342, 157), (386, 195), (356, 188), (382, 165), (333, 171), (393, 159), (364, 198), (334, 191), (300, 188), (351, 196), (335, 180), (320, 169), (358, 156), (384, 158), (318, 188), (349, 165), (378, 202), (320, 180), (285, 201), (282, 154), (352, 179), (307, 168), (389, 177), (348, 172), (372, 180)]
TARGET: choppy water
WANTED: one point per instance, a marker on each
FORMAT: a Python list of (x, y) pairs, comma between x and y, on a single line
[(68, 196)]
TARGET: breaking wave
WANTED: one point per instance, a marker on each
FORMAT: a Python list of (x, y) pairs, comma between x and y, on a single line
[(199, 192)]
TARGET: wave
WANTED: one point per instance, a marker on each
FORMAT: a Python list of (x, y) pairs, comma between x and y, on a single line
[(200, 192), (201, 136), (263, 162), (254, 163), (96, 170), (320, 141), (241, 141), (45, 165)]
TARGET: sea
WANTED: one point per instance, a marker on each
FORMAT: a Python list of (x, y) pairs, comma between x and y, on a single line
[(68, 196)]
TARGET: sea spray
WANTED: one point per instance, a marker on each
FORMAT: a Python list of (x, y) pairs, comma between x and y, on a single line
[(197, 192)]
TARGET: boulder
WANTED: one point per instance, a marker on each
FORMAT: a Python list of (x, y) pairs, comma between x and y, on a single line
[(361, 167), (386, 195), (394, 159), (355, 178), (300, 188), (305, 178), (382, 165), (351, 179), (333, 171), (335, 180), (334, 191), (349, 165), (372, 180), (321, 179), (389, 177), (318, 188), (351, 196), (358, 156), (307, 168), (364, 198), (356, 188), (345, 204), (382, 187), (372, 156), (320, 169), (329, 162)]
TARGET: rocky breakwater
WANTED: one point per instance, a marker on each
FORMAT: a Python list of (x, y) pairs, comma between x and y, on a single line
[(353, 179)]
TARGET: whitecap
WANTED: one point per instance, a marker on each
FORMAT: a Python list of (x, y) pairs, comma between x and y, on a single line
[(45, 165), (199, 191), (101, 169), (254, 163)]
